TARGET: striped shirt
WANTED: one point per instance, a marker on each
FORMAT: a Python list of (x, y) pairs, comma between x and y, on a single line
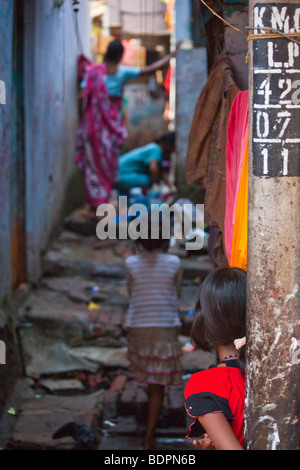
[(154, 281)]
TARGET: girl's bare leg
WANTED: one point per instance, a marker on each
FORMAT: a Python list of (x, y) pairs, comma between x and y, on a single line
[(156, 398)]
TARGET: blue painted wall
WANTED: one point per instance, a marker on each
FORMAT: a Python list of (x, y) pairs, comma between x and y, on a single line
[(37, 125), (6, 41), (51, 118)]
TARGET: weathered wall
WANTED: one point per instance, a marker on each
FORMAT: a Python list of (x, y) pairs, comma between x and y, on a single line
[(144, 114), (235, 43), (183, 20), (6, 38), (192, 65), (51, 119), (191, 76), (138, 17), (37, 127)]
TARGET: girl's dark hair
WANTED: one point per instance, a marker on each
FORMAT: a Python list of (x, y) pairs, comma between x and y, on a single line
[(114, 51), (150, 244), (166, 139), (220, 311)]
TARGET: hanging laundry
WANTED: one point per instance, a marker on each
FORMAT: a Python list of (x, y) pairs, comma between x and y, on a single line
[(238, 258), (206, 155), (237, 138), (83, 63)]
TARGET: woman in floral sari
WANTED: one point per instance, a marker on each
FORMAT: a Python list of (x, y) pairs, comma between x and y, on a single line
[(102, 131)]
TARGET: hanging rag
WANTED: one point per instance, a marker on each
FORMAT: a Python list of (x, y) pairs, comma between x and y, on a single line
[(238, 257), (206, 155), (237, 139), (83, 63)]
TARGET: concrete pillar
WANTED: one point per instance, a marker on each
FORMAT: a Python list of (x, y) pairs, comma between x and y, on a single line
[(273, 326), (183, 20)]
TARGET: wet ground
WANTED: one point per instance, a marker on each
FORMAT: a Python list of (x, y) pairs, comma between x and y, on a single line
[(73, 349)]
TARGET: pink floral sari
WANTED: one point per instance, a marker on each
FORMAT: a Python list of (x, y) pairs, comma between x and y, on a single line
[(100, 136)]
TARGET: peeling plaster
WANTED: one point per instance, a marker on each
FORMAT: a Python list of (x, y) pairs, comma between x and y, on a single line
[(277, 336), (292, 295), (269, 407), (295, 350), (273, 435)]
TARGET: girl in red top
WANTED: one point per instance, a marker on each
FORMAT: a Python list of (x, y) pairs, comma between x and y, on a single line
[(215, 398)]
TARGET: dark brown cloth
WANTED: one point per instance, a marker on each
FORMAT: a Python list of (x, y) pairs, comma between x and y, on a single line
[(206, 155)]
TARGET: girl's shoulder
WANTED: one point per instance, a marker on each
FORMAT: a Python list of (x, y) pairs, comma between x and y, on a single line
[(171, 258), (145, 255), (214, 380), (200, 379), (132, 259), (128, 72), (172, 262)]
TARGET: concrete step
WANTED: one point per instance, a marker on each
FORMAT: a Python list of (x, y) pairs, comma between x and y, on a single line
[(39, 418)]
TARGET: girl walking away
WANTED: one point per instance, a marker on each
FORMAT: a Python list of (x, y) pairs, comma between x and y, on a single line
[(154, 280), (215, 398)]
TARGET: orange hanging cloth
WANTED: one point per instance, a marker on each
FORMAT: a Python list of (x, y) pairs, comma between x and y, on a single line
[(238, 257), (237, 135)]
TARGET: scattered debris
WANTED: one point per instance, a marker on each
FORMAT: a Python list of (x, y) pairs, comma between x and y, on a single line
[(93, 306), (85, 438)]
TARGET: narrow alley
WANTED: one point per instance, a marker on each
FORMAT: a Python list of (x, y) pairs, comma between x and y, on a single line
[(168, 130), (73, 347)]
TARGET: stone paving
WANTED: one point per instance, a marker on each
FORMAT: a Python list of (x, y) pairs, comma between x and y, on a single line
[(74, 349)]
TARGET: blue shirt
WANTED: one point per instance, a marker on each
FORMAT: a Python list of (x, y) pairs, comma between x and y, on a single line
[(134, 165), (115, 83)]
